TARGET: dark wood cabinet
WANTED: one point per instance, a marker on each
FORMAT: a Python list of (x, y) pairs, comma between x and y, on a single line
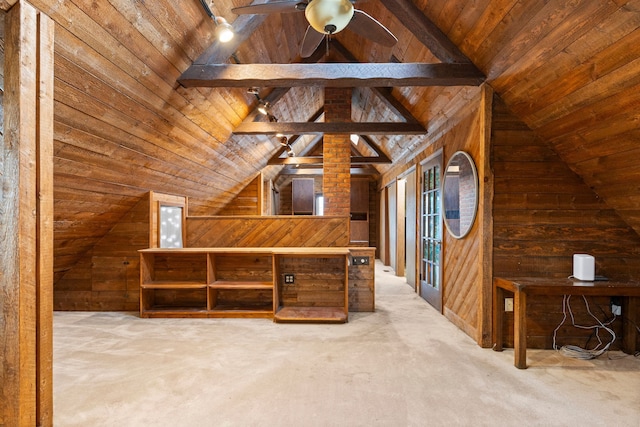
[(359, 211), (303, 196)]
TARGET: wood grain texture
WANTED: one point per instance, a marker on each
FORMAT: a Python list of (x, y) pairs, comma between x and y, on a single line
[(26, 227), (331, 75), (123, 126), (267, 231), (544, 213)]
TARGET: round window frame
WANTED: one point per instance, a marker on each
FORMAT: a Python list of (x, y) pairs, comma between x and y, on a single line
[(469, 159)]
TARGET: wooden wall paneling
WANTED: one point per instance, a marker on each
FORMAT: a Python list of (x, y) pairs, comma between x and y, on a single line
[(267, 231), (362, 282), (374, 214), (392, 193), (27, 199), (555, 25), (555, 75), (249, 201), (400, 227), (537, 229), (317, 282), (114, 113), (106, 277), (382, 241), (463, 261)]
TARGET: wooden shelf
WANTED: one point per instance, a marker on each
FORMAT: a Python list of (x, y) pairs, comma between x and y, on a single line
[(311, 315), (163, 312), (245, 282), (173, 285), (223, 284)]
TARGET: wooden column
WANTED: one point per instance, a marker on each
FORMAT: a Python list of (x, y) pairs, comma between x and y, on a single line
[(485, 307), (26, 229), (337, 154)]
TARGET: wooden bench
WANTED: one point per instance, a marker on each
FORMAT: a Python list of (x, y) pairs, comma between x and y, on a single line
[(525, 286)]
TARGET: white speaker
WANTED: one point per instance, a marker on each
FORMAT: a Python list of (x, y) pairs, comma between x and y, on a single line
[(584, 267)]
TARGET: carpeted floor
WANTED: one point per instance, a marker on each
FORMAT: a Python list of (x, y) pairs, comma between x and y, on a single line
[(404, 365)]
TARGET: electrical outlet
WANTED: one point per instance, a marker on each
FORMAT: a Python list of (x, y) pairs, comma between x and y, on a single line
[(616, 306), (360, 260), (508, 304), (289, 278)]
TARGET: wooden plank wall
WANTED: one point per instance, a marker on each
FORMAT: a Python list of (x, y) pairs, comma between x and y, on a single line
[(247, 202), (543, 214), (466, 289), (362, 282), (286, 231), (317, 282), (106, 278), (251, 231), (462, 259)]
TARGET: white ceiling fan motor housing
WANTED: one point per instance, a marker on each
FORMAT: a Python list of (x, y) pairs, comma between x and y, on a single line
[(329, 16)]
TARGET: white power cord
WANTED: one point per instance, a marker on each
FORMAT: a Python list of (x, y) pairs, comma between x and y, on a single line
[(578, 352)]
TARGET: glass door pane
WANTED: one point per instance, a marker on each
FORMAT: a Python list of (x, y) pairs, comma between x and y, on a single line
[(431, 234)]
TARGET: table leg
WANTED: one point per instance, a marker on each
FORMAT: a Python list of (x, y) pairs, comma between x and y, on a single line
[(629, 331), (498, 316), (520, 329)]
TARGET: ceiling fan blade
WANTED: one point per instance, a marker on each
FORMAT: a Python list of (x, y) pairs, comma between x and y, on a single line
[(272, 7), (310, 42), (366, 26)]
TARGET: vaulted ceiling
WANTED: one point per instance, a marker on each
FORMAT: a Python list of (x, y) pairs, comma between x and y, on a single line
[(124, 125)]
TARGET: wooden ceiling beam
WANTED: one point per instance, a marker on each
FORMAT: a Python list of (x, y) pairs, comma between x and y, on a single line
[(317, 170), (312, 128), (426, 31), (318, 160), (331, 75)]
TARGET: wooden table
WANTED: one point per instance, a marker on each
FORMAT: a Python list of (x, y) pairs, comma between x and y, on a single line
[(524, 286)]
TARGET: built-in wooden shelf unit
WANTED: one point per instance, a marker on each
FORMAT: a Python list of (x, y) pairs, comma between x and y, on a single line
[(245, 282)]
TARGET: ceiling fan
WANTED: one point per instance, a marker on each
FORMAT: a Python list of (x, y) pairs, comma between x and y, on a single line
[(326, 17)]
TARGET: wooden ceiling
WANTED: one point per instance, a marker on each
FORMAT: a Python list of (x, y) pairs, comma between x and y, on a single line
[(124, 125)]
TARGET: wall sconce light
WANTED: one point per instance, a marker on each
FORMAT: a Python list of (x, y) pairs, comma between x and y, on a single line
[(284, 141), (224, 30), (290, 152), (354, 138)]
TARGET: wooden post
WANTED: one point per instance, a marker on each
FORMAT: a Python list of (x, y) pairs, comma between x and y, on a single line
[(26, 229), (485, 216)]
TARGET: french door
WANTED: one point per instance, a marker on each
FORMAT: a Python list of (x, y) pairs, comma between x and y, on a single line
[(431, 233)]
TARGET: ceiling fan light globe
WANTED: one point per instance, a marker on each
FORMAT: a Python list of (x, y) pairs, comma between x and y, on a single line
[(329, 16)]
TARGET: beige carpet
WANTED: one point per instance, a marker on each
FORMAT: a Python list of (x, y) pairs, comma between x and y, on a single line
[(404, 365)]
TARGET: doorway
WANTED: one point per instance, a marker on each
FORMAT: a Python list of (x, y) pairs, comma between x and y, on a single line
[(430, 270), (411, 228)]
